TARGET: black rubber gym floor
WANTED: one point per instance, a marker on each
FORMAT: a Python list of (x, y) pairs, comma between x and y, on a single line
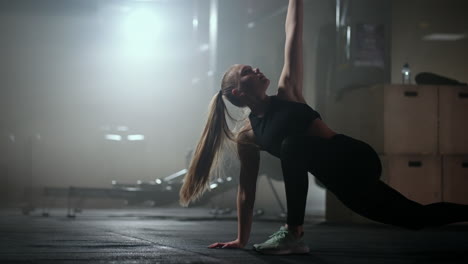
[(182, 236)]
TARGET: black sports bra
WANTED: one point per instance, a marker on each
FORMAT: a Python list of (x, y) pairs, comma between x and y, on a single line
[(283, 118)]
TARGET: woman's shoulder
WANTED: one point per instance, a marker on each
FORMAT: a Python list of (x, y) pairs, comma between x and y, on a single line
[(246, 133)]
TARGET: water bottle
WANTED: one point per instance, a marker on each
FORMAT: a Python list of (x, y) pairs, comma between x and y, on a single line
[(406, 74)]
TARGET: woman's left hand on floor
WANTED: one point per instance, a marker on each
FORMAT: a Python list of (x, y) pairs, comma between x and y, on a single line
[(232, 244)]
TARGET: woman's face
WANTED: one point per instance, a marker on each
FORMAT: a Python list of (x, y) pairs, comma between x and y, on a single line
[(252, 81)]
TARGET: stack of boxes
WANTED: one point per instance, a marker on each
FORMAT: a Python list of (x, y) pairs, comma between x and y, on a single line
[(420, 133)]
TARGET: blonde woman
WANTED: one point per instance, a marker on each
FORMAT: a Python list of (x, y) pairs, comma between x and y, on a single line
[(286, 127)]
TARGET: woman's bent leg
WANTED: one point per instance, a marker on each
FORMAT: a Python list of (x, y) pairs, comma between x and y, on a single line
[(300, 155), (296, 181)]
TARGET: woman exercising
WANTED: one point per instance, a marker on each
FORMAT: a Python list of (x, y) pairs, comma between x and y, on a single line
[(286, 127)]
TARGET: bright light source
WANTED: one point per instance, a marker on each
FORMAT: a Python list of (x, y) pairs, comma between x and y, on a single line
[(114, 182), (195, 22), (139, 21), (229, 179), (348, 42), (135, 137), (158, 181), (444, 37), (113, 137), (213, 185), (139, 182), (220, 180), (141, 28)]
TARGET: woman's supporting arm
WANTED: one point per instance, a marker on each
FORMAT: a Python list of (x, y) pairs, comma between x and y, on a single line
[(250, 160), (290, 83), (249, 156)]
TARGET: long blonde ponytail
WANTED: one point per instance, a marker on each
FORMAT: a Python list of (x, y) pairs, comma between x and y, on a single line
[(216, 131)]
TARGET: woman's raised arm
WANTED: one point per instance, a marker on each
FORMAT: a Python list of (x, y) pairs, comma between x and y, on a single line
[(290, 82)]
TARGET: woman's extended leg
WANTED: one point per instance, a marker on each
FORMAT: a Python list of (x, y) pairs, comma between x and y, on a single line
[(374, 199), (380, 202), (351, 170)]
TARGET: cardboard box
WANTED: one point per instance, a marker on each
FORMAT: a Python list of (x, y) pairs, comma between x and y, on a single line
[(418, 177), (455, 179), (453, 120), (394, 119)]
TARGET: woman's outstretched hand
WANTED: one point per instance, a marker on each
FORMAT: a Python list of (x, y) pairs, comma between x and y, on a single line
[(232, 244)]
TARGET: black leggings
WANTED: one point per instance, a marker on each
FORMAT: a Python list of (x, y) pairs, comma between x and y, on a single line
[(351, 170)]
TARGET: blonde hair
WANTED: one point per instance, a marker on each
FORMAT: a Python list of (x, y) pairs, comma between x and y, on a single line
[(214, 135)]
